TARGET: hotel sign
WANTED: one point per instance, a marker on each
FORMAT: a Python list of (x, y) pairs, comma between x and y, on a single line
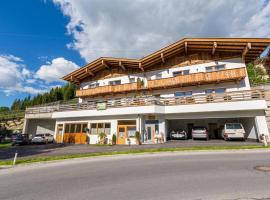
[(101, 106)]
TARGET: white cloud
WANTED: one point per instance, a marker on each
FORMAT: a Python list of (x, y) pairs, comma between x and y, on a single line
[(15, 77), (56, 69), (11, 70), (135, 28)]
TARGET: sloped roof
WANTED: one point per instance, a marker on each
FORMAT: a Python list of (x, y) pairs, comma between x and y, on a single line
[(249, 48)]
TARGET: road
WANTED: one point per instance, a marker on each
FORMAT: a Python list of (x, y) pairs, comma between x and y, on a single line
[(182, 175)]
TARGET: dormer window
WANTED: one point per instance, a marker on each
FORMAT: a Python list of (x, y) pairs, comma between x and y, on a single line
[(215, 68), (181, 73)]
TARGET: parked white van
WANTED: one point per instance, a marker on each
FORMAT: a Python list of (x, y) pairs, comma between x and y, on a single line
[(233, 131)]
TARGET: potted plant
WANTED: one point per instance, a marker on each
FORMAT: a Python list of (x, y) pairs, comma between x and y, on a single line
[(113, 139), (102, 138), (138, 137)]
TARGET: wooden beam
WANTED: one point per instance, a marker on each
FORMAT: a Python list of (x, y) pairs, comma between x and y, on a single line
[(186, 48), (122, 66), (74, 79), (162, 57), (89, 72), (103, 63), (141, 67), (214, 48), (246, 49)]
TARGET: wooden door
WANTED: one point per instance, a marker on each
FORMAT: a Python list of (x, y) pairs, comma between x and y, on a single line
[(59, 133), (121, 134)]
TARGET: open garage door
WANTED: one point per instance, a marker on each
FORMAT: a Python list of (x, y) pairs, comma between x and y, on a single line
[(213, 125)]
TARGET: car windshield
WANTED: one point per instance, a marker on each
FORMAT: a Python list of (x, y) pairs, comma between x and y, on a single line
[(197, 128), (39, 135), (233, 126), (19, 136)]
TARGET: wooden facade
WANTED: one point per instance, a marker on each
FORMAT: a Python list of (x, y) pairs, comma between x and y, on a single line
[(199, 78), (184, 80)]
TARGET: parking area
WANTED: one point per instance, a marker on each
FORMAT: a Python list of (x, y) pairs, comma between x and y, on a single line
[(65, 149), (214, 126)]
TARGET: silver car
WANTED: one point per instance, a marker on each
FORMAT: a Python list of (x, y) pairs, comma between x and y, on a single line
[(200, 132), (180, 134), (42, 138)]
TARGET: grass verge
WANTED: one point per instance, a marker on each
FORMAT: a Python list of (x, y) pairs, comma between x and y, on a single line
[(5, 145), (132, 151)]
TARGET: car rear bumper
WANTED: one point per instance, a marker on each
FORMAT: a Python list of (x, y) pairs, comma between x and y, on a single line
[(199, 135)]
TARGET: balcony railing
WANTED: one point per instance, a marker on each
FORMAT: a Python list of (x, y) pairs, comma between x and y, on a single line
[(185, 80), (245, 95), (108, 89), (199, 78)]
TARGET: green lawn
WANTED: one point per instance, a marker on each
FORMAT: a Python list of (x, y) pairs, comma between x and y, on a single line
[(133, 151), (5, 145)]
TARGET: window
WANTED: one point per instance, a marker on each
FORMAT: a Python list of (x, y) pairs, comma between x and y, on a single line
[(116, 82), (78, 128), (209, 69), (180, 73), (158, 76), (217, 91), (93, 85), (67, 128), (233, 126), (72, 128), (220, 90), (97, 128), (132, 80), (75, 128), (107, 128), (214, 68), (183, 94), (84, 126), (131, 131), (209, 91), (94, 129)]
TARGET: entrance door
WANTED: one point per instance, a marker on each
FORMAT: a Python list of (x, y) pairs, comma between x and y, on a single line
[(150, 132), (59, 133), (121, 134)]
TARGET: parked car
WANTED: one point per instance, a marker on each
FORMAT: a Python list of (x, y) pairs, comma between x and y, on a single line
[(21, 139), (233, 131), (180, 134), (200, 132), (42, 138)]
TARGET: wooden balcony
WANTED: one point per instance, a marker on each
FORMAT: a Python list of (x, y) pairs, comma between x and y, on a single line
[(178, 81), (199, 78), (108, 89)]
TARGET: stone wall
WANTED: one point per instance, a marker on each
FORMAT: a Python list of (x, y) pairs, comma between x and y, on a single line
[(15, 125)]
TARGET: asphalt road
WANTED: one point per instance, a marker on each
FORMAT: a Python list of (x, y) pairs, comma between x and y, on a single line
[(185, 175)]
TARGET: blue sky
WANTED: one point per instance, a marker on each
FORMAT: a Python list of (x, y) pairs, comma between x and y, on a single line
[(35, 32), (42, 40)]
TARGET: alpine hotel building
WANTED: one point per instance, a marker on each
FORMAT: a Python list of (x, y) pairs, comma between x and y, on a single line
[(193, 82)]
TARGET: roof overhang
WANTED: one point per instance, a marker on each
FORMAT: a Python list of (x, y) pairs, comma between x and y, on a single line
[(249, 48)]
